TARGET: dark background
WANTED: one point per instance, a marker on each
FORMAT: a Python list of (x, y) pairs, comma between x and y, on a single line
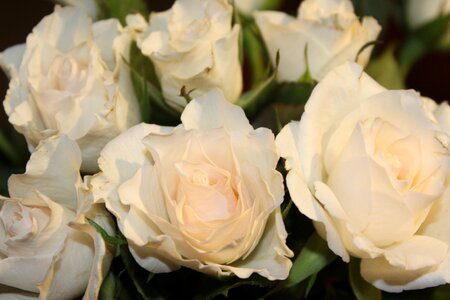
[(430, 76)]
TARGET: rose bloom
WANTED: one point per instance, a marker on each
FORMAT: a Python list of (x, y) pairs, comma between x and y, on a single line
[(369, 166), (70, 78), (327, 31), (193, 44), (203, 195), (45, 244)]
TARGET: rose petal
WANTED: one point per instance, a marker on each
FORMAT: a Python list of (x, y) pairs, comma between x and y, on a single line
[(11, 58), (282, 33), (341, 92), (69, 272), (123, 156), (53, 169), (24, 272), (270, 258), (396, 279), (210, 111)]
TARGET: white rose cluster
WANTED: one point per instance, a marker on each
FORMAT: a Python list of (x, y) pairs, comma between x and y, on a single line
[(371, 168), (325, 34), (204, 195), (70, 78)]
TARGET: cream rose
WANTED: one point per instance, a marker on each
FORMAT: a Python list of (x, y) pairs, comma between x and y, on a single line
[(329, 31), (204, 195), (193, 44), (45, 244), (369, 167), (70, 78), (419, 12)]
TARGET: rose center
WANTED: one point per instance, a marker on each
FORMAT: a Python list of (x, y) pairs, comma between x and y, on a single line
[(397, 153), (205, 193), (200, 178), (17, 221), (66, 74)]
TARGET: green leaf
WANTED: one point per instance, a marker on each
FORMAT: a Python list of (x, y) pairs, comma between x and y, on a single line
[(286, 209), (114, 241), (313, 258), (433, 32), (153, 106), (253, 100), (306, 77), (361, 288), (119, 9), (386, 71), (213, 288), (294, 92), (311, 281), (255, 53)]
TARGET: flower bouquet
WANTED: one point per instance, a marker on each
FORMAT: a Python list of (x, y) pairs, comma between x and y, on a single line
[(200, 149)]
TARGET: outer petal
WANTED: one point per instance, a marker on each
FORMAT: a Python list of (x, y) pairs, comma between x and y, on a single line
[(119, 161), (121, 157), (394, 279), (24, 272), (11, 58), (270, 258), (53, 169), (69, 272), (211, 111), (288, 146), (65, 29), (442, 114)]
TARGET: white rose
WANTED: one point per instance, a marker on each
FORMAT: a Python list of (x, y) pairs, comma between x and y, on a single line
[(88, 6), (329, 31), (204, 195), (193, 44), (70, 78), (420, 12), (45, 244), (368, 166)]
